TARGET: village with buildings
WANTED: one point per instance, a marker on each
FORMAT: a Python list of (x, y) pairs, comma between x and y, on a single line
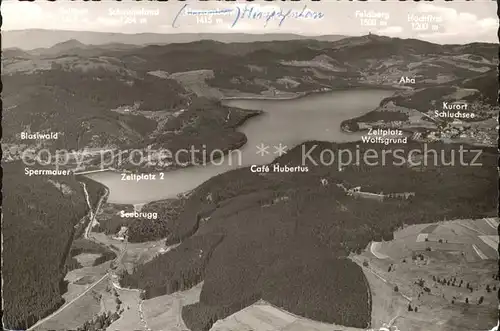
[(356, 192), (426, 127)]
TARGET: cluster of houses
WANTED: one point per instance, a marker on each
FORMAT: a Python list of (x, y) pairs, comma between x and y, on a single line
[(386, 327), (357, 193), (122, 234), (380, 124), (461, 130)]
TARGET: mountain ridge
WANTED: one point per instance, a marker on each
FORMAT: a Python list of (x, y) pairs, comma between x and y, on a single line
[(40, 38), (152, 96)]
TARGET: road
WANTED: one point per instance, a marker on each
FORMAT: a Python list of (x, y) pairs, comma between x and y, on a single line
[(472, 229), (492, 222), (117, 286), (374, 250), (92, 216), (481, 255), (381, 278), (391, 322), (66, 305)]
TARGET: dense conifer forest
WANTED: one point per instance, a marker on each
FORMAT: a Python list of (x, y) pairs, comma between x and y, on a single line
[(286, 236), (39, 221)]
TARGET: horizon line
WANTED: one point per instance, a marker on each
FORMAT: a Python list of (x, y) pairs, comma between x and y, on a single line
[(239, 33), (166, 33)]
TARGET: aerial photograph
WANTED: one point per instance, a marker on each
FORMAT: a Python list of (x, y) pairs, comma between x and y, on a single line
[(250, 165)]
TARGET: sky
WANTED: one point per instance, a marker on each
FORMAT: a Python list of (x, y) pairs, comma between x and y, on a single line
[(438, 21)]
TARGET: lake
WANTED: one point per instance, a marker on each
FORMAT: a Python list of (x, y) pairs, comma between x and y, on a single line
[(287, 122)]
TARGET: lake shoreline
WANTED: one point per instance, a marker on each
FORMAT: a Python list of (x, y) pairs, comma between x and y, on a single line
[(272, 129), (255, 113), (298, 95), (168, 168)]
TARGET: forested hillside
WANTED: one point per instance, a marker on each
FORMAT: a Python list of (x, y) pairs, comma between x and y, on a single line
[(76, 92), (39, 215), (79, 106), (282, 237), (187, 268), (285, 236)]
